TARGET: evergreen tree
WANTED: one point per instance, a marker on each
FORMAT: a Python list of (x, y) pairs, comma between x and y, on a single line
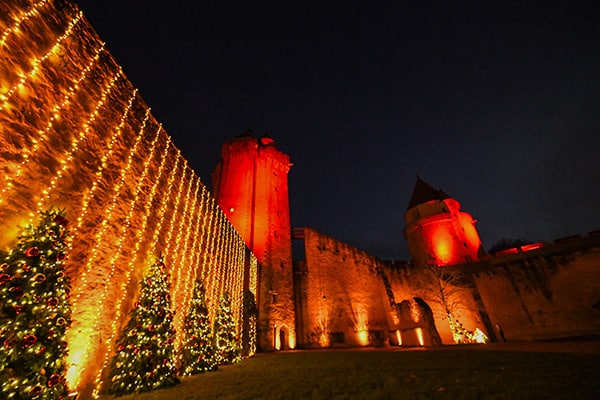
[(144, 359), (198, 353), (228, 350), (35, 312)]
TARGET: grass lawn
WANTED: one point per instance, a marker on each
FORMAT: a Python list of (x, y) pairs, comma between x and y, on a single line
[(448, 373)]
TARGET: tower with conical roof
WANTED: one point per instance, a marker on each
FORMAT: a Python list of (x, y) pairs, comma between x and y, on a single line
[(437, 231), (250, 184)]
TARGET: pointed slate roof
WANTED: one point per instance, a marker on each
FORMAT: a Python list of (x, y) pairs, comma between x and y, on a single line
[(424, 192)]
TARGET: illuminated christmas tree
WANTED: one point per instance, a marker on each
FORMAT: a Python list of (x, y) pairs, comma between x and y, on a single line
[(35, 312), (228, 351), (198, 353), (145, 359)]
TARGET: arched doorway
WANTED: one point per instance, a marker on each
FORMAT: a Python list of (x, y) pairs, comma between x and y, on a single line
[(281, 342)]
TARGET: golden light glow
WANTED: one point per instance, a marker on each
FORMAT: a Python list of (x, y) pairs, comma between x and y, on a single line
[(322, 327), (27, 152), (178, 262), (35, 63), (362, 324), (399, 337), (108, 215), (277, 338), (292, 341), (97, 310), (23, 16), (193, 269), (91, 145), (479, 336), (363, 337), (419, 333), (77, 357)]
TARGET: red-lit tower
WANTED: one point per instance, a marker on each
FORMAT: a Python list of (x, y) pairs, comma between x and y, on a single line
[(437, 231), (250, 184)]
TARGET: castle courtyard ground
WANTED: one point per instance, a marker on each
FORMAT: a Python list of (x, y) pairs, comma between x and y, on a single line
[(538, 370)]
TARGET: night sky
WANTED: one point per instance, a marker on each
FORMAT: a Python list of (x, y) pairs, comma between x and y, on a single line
[(497, 104)]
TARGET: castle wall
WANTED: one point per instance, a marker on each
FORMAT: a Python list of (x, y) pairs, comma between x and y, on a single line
[(551, 292), (76, 134), (443, 289), (342, 299), (545, 293)]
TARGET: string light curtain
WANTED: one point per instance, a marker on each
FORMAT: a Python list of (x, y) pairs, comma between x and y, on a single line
[(77, 135)]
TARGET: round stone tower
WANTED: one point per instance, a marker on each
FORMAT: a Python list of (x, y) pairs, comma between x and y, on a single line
[(437, 231), (250, 184)]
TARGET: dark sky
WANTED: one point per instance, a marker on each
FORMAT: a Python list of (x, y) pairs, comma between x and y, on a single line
[(497, 103)]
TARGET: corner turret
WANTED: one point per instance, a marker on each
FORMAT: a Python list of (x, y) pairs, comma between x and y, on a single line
[(437, 231)]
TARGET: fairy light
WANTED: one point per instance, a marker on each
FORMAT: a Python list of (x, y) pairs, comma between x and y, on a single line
[(226, 262), (21, 19), (239, 275), (194, 253), (175, 211), (253, 274), (99, 174), (184, 281), (132, 264), (240, 265), (180, 258), (206, 270), (238, 278), (192, 271), (197, 248), (42, 134), (108, 212), (212, 273), (207, 245), (65, 162), (232, 275), (89, 327), (228, 269), (35, 64), (164, 205), (183, 221), (83, 133), (139, 234), (218, 289), (222, 254)]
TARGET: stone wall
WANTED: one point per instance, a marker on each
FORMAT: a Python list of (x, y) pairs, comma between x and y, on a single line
[(443, 289), (547, 293), (342, 291), (76, 134), (341, 298), (551, 292)]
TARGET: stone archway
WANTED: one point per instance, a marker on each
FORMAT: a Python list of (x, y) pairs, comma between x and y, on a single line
[(417, 325), (282, 339)]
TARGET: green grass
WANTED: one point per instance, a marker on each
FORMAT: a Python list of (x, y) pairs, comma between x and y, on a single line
[(456, 373)]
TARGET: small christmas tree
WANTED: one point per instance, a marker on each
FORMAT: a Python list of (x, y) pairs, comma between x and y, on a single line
[(228, 350), (198, 353), (35, 312), (144, 359)]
